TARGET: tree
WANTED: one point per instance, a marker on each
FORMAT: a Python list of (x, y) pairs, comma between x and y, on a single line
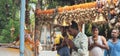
[(9, 16)]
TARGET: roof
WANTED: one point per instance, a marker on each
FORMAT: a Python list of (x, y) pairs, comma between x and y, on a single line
[(79, 13)]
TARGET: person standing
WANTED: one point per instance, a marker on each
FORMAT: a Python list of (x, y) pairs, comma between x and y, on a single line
[(114, 44), (80, 41), (96, 43), (62, 42)]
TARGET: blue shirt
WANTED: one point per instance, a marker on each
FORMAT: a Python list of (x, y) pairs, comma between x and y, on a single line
[(114, 49)]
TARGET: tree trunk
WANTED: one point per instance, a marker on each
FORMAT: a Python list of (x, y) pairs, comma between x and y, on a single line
[(27, 14), (39, 4)]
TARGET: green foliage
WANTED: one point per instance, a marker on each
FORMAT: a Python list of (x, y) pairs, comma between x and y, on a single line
[(5, 35), (9, 16), (1, 38), (88, 30), (33, 1), (55, 3)]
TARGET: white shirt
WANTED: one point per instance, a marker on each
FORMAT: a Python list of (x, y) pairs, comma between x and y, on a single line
[(81, 42), (96, 51)]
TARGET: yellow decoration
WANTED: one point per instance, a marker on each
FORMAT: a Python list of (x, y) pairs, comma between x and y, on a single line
[(55, 21), (68, 8), (101, 18), (64, 23)]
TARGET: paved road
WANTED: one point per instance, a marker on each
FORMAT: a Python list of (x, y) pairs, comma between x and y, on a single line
[(48, 53), (9, 51), (15, 52)]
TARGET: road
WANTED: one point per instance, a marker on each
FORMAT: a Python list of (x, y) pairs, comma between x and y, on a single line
[(9, 51), (15, 52), (48, 53)]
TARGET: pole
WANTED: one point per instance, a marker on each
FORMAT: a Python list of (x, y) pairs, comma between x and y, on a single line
[(83, 28), (22, 22)]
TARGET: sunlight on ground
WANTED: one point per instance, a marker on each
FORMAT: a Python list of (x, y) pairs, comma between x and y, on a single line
[(15, 52), (9, 52)]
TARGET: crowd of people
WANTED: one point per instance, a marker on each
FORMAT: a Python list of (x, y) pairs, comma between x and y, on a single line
[(72, 42), (95, 45), (81, 45)]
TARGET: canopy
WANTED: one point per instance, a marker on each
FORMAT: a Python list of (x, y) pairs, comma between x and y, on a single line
[(80, 13)]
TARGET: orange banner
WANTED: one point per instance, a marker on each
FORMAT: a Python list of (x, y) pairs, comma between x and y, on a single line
[(68, 8)]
